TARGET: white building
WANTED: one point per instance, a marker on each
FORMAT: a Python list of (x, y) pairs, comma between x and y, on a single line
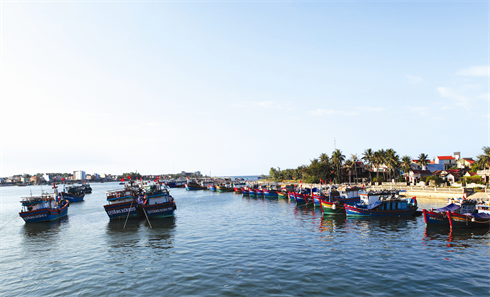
[(79, 175)]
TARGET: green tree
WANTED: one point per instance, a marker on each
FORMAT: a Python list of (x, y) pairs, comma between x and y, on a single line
[(483, 160), (423, 160), (406, 162), (338, 160), (368, 157)]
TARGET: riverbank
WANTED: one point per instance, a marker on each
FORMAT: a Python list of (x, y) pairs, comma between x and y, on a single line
[(419, 192)]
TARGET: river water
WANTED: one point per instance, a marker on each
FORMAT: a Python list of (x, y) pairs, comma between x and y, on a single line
[(222, 244)]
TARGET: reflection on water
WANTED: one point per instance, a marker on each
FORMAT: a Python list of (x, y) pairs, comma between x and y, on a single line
[(44, 228), (126, 237), (391, 223), (457, 237), (332, 223)]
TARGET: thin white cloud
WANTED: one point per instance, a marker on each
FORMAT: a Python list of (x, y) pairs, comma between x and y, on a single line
[(374, 109), (485, 96), (412, 79), (420, 110), (322, 112), (263, 104), (475, 71), (457, 98)]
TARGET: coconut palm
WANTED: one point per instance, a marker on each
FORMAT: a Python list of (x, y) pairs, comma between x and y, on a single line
[(423, 160), (368, 156), (483, 160), (355, 160), (406, 162), (392, 162), (337, 160), (378, 160)]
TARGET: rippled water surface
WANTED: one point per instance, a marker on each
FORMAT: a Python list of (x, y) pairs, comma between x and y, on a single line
[(228, 245)]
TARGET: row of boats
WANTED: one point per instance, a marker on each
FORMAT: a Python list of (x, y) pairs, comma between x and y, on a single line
[(354, 201), (136, 199), (147, 199)]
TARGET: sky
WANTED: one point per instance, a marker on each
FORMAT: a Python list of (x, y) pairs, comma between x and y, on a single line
[(235, 88)]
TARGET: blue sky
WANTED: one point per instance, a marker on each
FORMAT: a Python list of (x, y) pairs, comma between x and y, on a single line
[(234, 88)]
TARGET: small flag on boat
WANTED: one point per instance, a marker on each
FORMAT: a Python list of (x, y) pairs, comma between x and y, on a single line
[(122, 179)]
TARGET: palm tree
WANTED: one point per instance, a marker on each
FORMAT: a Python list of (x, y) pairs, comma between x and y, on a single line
[(368, 156), (326, 166), (484, 159), (393, 162), (337, 160), (355, 159), (423, 160), (406, 162), (378, 159)]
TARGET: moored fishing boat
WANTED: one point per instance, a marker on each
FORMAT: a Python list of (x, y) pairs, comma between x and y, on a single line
[(121, 203), (193, 186), (44, 208), (224, 188), (212, 187), (382, 204), (458, 213), (245, 191), (73, 194), (87, 189), (156, 202), (270, 192)]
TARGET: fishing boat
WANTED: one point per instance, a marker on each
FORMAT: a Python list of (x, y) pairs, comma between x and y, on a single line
[(224, 188), (212, 187), (251, 191), (156, 202), (245, 191), (193, 186), (458, 213), (73, 194), (382, 204), (86, 188), (122, 203), (270, 192), (238, 187), (44, 208)]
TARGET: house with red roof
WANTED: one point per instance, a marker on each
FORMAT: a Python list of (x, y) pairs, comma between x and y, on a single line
[(465, 162), (443, 162)]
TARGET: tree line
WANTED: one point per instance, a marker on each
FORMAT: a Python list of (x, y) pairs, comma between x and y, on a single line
[(329, 169)]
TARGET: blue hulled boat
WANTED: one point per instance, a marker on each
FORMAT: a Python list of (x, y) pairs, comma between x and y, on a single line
[(156, 202), (382, 204), (73, 194), (122, 203), (44, 208)]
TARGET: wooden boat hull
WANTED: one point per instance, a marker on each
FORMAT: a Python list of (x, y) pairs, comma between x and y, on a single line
[(122, 209), (332, 208), (270, 193), (44, 214), (194, 188), (282, 195), (351, 210), (238, 190), (73, 198), (259, 192), (223, 189), (467, 221), (212, 188), (245, 192), (162, 210), (435, 218)]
